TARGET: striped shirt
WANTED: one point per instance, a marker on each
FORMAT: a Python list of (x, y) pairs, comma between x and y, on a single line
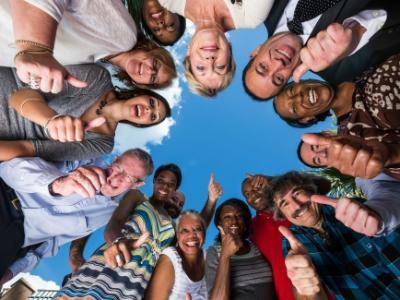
[(250, 277)]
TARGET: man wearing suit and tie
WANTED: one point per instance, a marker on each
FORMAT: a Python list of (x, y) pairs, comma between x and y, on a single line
[(342, 39)]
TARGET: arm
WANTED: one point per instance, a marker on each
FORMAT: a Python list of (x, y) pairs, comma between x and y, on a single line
[(214, 192), (221, 287), (162, 280), (36, 26), (383, 196), (76, 248), (114, 227)]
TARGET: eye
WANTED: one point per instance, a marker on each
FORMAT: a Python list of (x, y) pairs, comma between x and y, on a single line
[(318, 161), (291, 91), (157, 30), (200, 68), (279, 80), (153, 79), (171, 27), (152, 102), (153, 117), (221, 67)]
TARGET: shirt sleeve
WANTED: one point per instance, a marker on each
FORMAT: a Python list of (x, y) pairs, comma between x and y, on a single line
[(54, 8), (211, 267), (88, 148), (29, 175), (383, 196), (371, 20), (31, 259)]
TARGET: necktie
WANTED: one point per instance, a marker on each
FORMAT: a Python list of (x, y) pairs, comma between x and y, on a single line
[(306, 10)]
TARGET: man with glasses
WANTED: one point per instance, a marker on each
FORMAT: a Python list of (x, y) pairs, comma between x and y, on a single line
[(44, 205)]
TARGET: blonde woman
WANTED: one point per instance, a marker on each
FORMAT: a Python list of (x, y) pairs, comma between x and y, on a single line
[(209, 65)]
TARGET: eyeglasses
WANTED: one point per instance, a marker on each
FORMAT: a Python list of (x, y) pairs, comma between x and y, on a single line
[(128, 178)]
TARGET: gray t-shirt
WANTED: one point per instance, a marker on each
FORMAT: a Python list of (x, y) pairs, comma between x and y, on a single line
[(71, 101), (251, 275)]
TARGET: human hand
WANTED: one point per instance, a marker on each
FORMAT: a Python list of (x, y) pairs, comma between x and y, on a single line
[(47, 69), (188, 296), (76, 261), (7, 276), (214, 189), (71, 129), (119, 254), (300, 268), (230, 245), (257, 182), (328, 47), (353, 214), (351, 155), (85, 181)]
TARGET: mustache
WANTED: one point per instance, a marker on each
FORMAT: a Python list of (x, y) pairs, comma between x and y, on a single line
[(301, 209)]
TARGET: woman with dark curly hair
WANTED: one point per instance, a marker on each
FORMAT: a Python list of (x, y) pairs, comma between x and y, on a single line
[(368, 108)]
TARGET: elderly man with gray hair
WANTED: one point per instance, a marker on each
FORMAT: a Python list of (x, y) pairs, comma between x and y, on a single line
[(45, 205)]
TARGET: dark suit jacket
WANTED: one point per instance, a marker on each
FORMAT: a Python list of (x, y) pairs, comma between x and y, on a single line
[(381, 46)]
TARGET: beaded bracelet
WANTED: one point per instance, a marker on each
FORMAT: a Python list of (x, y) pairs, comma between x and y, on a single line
[(35, 44), (46, 129)]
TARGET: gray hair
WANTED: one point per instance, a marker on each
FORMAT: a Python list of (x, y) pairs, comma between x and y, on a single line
[(192, 212), (280, 185), (144, 157)]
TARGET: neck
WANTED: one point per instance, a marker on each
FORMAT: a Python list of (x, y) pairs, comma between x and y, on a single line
[(157, 204), (343, 100), (191, 260), (209, 13), (96, 110), (244, 249), (120, 59)]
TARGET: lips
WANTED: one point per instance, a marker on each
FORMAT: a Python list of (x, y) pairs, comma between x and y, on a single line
[(138, 110), (195, 243), (286, 54), (139, 70), (212, 48), (234, 229), (157, 15)]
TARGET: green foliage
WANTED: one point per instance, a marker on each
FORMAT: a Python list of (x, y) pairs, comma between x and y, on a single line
[(341, 185)]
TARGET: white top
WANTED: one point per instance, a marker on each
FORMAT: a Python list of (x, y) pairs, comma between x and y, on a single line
[(87, 30), (183, 284), (249, 14)]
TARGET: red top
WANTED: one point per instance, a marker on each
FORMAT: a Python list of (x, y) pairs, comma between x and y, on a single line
[(268, 239)]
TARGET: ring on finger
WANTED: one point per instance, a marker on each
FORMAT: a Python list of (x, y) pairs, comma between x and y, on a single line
[(34, 81), (118, 258)]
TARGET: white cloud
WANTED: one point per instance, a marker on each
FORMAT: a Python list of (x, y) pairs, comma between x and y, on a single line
[(130, 137), (35, 281)]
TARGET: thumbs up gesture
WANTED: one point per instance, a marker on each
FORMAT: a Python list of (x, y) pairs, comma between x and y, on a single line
[(300, 268), (353, 214), (71, 129)]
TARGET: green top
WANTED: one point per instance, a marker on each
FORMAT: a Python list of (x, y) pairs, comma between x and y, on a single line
[(135, 10)]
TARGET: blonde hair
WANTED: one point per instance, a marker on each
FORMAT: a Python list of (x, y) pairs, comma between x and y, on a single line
[(152, 49), (199, 88)]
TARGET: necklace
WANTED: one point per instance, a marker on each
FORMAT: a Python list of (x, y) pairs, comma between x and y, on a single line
[(101, 106)]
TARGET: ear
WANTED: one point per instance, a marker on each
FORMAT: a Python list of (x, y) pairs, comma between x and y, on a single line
[(255, 52), (306, 120)]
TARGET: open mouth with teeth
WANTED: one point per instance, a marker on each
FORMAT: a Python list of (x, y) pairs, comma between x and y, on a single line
[(285, 54), (193, 244), (156, 15), (301, 210), (234, 229), (312, 96), (211, 48)]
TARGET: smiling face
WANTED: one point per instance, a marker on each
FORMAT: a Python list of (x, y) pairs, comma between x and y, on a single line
[(164, 186), (144, 110), (143, 68), (174, 205), (297, 207), (162, 23), (314, 155), (255, 197), (126, 172), (273, 64), (304, 100), (209, 55), (232, 221), (190, 234)]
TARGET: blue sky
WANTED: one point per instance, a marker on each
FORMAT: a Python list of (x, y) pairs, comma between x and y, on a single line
[(228, 136)]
